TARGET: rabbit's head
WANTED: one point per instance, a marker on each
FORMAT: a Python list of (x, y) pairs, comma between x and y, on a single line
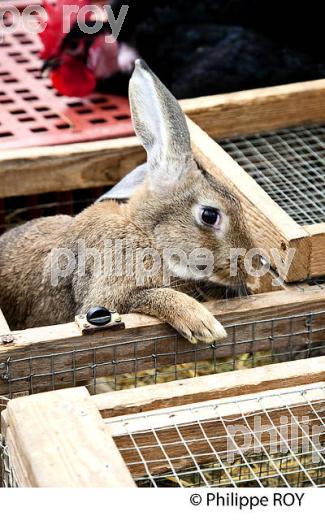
[(183, 207)]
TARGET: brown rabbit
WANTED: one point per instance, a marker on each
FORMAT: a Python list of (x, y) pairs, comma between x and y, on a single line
[(178, 206)]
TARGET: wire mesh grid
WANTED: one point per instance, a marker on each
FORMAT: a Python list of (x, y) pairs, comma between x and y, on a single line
[(289, 165), (15, 211), (245, 442), (116, 365), (7, 471)]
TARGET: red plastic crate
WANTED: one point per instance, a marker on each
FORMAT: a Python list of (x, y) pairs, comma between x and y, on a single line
[(32, 113)]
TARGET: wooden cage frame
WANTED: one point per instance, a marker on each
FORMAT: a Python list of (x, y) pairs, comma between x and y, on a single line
[(41, 343), (66, 439), (103, 163)]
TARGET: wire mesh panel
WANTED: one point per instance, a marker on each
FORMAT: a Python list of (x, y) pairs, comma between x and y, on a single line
[(7, 477), (7, 472), (289, 165), (114, 365), (261, 441), (15, 211)]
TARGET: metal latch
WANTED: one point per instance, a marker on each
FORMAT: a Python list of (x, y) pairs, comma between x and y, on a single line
[(99, 318)]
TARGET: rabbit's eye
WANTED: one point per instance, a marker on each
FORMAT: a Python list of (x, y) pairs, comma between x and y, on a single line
[(211, 216)]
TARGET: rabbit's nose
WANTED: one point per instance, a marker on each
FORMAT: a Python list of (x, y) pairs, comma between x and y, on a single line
[(202, 267)]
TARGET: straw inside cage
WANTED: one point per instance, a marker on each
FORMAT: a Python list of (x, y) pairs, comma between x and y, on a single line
[(289, 165), (272, 441)]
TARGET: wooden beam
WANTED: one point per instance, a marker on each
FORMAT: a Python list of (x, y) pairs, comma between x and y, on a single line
[(250, 111), (227, 407), (67, 167), (59, 356), (317, 259), (62, 442), (205, 388), (270, 225), (19, 472)]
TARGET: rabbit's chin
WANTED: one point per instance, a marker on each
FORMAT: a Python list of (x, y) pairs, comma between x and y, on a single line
[(250, 284), (226, 281), (183, 272)]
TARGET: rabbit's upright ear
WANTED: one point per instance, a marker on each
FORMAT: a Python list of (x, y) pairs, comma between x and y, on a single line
[(160, 124)]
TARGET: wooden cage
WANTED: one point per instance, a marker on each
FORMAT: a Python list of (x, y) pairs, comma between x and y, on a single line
[(266, 327), (193, 433), (281, 324), (262, 329)]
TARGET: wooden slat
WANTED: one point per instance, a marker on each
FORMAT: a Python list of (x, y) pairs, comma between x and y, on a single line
[(67, 167), (270, 226), (227, 407), (62, 442), (59, 349), (205, 388), (19, 472), (250, 111), (317, 259)]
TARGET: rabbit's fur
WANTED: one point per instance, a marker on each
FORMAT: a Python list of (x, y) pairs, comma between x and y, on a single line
[(160, 215), (217, 46)]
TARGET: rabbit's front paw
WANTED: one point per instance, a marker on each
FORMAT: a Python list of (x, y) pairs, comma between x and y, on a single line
[(197, 324)]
